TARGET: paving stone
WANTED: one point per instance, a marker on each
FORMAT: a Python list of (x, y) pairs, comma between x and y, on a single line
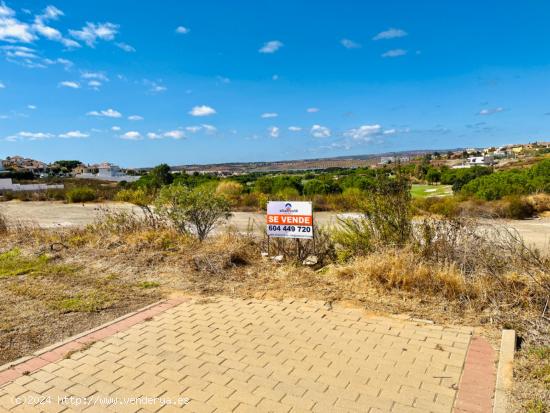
[(255, 355)]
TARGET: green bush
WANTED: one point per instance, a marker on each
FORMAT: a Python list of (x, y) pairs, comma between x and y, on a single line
[(445, 206), (460, 177), (81, 194), (196, 210), (386, 221), (513, 182)]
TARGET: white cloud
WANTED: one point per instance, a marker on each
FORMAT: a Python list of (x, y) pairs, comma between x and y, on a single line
[(294, 128), (312, 110), (182, 30), (40, 27), (390, 34), (51, 13), (271, 46), (70, 84), (94, 84), (318, 131), (490, 111), (154, 87), (20, 51), (33, 136), (210, 129), (95, 75), (115, 128), (29, 57), (5, 10), (74, 134), (153, 135), (11, 29), (126, 47), (109, 113), (2, 85), (31, 107), (47, 32), (364, 132), (394, 53), (157, 89), (350, 44), (268, 115), (131, 136), (93, 32), (274, 131), (193, 129), (135, 117), (65, 62), (202, 110), (222, 79), (174, 134), (390, 132)]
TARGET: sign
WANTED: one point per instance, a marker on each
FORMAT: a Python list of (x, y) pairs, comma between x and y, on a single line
[(289, 219)]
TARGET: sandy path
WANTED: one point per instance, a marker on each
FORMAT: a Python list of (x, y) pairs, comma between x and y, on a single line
[(58, 214)]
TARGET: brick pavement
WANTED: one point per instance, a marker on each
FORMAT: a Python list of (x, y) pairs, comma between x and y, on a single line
[(230, 355)]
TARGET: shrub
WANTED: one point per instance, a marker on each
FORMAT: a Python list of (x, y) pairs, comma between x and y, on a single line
[(3, 224), (196, 210), (518, 208), (288, 193), (141, 198), (444, 206), (353, 199), (230, 190), (81, 194), (540, 202), (386, 221), (315, 187), (512, 182), (460, 177), (433, 175)]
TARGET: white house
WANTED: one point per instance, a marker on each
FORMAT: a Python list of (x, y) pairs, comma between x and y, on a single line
[(109, 170), (385, 160), (476, 161), (480, 160), (106, 172)]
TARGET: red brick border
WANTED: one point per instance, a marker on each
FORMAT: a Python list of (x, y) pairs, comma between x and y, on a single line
[(58, 351), (477, 384)]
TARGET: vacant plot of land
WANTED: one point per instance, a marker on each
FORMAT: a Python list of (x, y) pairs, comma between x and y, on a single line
[(54, 283), (424, 191), (58, 215), (43, 300)]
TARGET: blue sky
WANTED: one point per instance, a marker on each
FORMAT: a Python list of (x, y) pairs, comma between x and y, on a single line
[(139, 83)]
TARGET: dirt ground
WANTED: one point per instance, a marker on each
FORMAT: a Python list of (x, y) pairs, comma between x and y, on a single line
[(536, 232)]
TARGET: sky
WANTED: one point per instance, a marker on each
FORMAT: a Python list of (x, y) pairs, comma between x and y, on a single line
[(183, 82)]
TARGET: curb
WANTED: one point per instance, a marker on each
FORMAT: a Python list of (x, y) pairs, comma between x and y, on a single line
[(505, 371), (40, 358), (476, 387)]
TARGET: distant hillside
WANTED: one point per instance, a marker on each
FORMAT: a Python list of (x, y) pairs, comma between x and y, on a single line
[(352, 161)]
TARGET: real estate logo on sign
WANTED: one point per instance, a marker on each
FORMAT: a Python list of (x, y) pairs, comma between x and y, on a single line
[(290, 219)]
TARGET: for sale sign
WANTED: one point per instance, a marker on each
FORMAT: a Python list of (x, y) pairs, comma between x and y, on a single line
[(286, 219)]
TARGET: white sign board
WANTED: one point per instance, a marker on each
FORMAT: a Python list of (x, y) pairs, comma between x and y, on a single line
[(287, 219)]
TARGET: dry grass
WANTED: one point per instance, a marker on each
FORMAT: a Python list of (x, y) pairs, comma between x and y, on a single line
[(453, 272)]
